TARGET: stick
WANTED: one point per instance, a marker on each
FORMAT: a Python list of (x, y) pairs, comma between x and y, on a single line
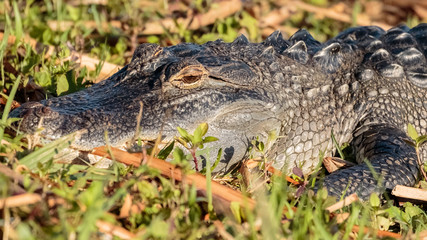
[(345, 202), (380, 233), (223, 192), (410, 193), (20, 200), (111, 229)]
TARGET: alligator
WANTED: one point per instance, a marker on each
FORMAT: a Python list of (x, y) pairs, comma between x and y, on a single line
[(365, 85)]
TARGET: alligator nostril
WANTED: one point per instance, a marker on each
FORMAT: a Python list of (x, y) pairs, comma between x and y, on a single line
[(46, 110)]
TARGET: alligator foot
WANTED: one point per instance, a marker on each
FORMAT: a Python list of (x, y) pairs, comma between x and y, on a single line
[(390, 161)]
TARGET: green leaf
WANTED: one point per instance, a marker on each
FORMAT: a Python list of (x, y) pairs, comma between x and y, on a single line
[(121, 46), (164, 153), (47, 36), (209, 139), (383, 223), (18, 21), (412, 210), (251, 24), (261, 146), (421, 140), (412, 132), (62, 85), (42, 78), (423, 184), (153, 39), (73, 12), (198, 135), (184, 134), (8, 106), (178, 155), (204, 127), (339, 150), (235, 209), (218, 158), (374, 200)]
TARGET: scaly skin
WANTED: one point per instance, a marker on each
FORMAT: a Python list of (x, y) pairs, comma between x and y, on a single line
[(365, 85)]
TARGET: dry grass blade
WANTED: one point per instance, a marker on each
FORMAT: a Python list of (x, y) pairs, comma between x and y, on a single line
[(421, 11), (341, 217), (198, 180), (379, 233), (407, 3), (107, 68), (221, 230), (342, 17), (334, 163), (410, 193), (345, 202), (10, 173), (222, 10), (20, 200), (27, 39), (128, 207), (62, 25), (423, 235), (111, 229)]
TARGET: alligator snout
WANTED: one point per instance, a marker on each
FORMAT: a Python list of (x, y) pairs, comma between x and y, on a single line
[(35, 108), (32, 115)]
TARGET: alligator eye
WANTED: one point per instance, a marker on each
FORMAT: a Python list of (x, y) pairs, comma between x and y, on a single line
[(189, 77)]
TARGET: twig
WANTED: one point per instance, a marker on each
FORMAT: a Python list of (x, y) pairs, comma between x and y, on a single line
[(423, 235), (10, 173), (410, 193), (345, 202), (221, 230), (199, 181), (20, 200), (379, 233)]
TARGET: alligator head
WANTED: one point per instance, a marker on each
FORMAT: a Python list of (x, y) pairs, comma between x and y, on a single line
[(184, 85)]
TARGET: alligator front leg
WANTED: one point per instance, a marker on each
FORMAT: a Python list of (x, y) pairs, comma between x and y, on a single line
[(392, 159)]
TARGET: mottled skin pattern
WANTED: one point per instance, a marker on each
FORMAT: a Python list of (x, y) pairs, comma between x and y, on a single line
[(365, 85)]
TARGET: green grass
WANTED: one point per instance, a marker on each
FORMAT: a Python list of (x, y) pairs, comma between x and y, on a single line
[(165, 209)]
